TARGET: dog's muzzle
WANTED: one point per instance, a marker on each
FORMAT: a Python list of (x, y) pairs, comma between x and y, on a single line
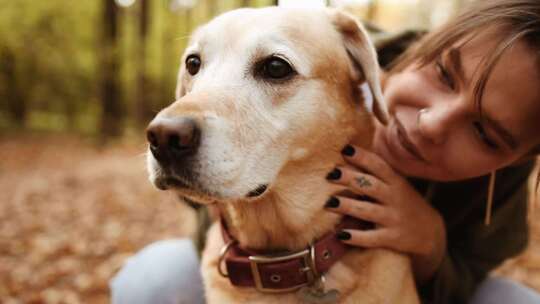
[(174, 143)]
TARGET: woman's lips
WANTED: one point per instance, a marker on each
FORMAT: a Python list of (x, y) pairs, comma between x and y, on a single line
[(406, 142)]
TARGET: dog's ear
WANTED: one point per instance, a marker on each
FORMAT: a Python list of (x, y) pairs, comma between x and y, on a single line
[(363, 56)]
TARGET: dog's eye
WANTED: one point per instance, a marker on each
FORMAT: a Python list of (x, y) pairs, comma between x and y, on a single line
[(276, 68), (193, 64)]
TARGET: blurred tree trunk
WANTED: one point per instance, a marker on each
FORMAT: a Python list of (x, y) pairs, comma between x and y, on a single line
[(427, 7), (187, 20), (111, 118), (175, 28), (143, 102), (212, 8), (372, 10), (245, 3), (16, 100)]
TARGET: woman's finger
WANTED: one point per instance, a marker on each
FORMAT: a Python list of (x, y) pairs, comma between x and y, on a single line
[(369, 161), (364, 210), (359, 182), (367, 238)]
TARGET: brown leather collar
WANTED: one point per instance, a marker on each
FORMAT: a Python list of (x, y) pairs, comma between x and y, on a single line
[(283, 272)]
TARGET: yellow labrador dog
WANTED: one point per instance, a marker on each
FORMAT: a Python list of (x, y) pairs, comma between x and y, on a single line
[(266, 100)]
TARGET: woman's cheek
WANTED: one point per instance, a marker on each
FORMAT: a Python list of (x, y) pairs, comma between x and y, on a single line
[(470, 165)]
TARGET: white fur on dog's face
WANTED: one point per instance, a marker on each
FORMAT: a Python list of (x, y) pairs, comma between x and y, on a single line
[(251, 126)]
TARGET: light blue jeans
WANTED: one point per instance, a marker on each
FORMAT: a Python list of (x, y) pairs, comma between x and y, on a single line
[(167, 272), (164, 272)]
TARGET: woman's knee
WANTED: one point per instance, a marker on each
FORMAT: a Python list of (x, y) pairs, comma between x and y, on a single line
[(504, 291), (163, 272)]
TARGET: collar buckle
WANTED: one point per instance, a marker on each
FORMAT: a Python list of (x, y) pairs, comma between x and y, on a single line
[(308, 257)]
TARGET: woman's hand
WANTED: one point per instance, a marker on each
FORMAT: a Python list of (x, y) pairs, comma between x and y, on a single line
[(403, 220)]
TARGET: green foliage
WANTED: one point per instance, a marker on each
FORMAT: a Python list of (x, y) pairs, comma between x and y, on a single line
[(52, 45), (53, 53)]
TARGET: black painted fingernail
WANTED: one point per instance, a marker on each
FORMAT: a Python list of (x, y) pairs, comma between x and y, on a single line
[(343, 235), (335, 174), (348, 150), (332, 202)]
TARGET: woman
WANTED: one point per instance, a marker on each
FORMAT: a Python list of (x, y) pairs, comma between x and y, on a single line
[(463, 103)]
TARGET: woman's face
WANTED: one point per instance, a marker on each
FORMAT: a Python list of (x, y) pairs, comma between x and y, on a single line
[(436, 131)]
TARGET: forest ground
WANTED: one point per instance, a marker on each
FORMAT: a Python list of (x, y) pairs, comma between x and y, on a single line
[(71, 213)]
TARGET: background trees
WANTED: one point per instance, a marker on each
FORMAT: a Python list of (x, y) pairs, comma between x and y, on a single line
[(103, 68)]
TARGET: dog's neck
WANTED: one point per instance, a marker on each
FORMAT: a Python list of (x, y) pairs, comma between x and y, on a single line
[(289, 217)]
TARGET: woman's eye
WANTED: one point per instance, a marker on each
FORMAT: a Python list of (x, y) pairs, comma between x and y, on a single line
[(276, 68), (481, 133), (193, 64), (444, 75)]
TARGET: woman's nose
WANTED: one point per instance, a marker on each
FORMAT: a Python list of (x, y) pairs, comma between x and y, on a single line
[(434, 124)]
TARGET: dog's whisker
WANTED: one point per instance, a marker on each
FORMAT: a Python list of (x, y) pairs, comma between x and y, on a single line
[(143, 154), (182, 38)]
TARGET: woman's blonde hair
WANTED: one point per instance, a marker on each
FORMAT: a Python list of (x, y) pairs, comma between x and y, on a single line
[(514, 20)]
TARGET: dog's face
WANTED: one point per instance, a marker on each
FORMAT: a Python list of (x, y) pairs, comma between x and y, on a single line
[(259, 89)]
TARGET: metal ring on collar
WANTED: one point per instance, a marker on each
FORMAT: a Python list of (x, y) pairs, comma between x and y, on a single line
[(222, 254)]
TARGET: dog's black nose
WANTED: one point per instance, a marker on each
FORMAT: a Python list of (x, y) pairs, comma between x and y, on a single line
[(173, 138)]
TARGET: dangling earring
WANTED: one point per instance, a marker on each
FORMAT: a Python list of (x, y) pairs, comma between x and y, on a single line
[(535, 197), (491, 188)]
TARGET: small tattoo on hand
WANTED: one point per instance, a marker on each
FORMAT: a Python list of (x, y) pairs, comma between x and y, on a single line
[(362, 181)]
